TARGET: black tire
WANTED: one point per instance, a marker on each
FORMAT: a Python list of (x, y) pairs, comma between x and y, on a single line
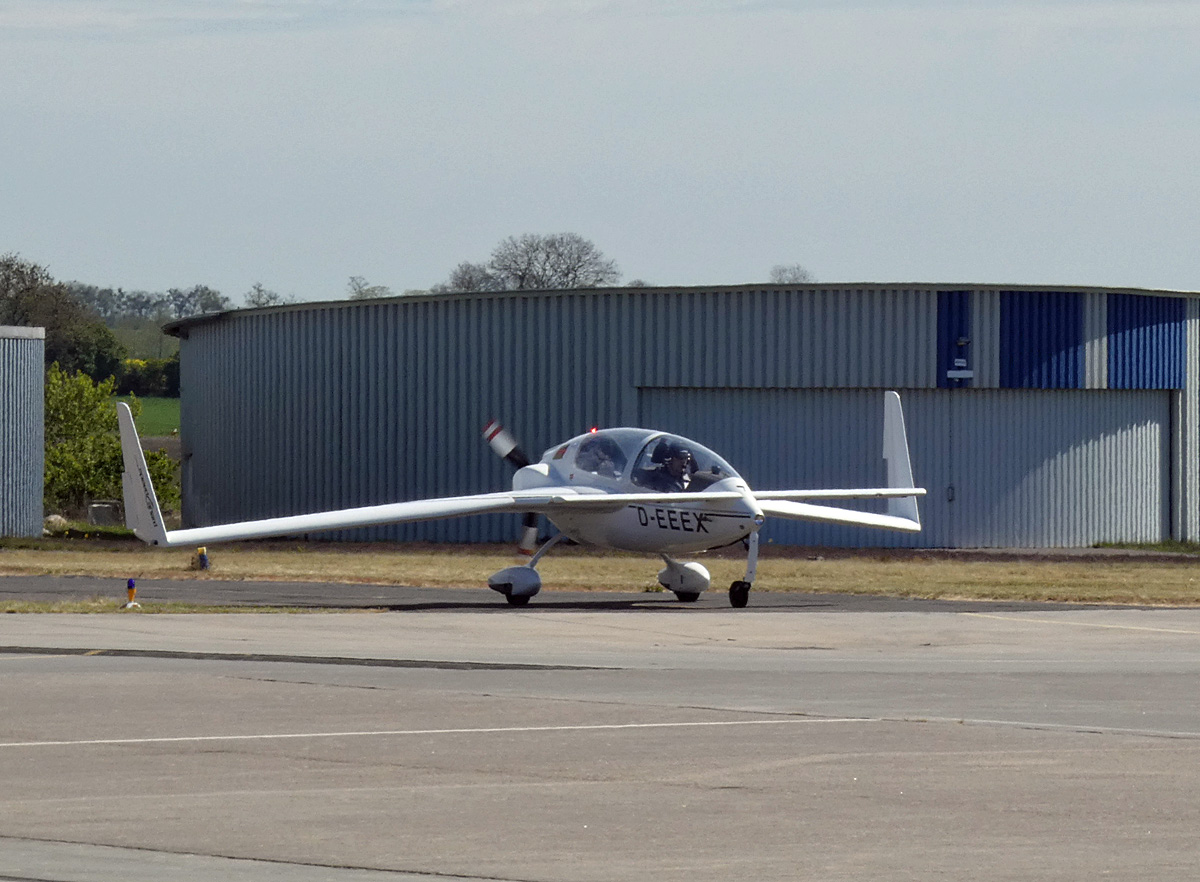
[(739, 594), (687, 596), (517, 599)]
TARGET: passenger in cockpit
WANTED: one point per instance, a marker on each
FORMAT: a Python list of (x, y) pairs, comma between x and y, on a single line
[(601, 456)]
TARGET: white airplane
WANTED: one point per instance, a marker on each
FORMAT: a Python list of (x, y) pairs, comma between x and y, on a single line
[(626, 489)]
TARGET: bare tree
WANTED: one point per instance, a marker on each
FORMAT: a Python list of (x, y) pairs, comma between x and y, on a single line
[(259, 296), (469, 276), (197, 300), (556, 260), (790, 274), (360, 290), (536, 261)]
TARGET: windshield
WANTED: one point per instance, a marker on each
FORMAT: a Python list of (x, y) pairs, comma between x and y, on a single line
[(673, 464)]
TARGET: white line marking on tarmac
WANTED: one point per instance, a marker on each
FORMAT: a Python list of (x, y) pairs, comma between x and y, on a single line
[(399, 732), (1081, 624)]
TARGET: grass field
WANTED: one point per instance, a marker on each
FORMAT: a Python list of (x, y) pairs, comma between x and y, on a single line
[(1103, 578), (160, 416)]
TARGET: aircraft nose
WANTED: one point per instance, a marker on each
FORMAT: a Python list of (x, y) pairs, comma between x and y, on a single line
[(756, 512)]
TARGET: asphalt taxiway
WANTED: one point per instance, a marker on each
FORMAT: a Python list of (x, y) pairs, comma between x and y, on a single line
[(559, 742)]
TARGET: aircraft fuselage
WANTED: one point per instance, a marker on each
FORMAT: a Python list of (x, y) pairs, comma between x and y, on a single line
[(617, 461)]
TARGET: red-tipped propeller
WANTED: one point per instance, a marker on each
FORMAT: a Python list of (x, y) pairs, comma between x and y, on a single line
[(505, 445)]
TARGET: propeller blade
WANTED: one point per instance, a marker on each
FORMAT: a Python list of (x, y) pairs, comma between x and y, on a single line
[(529, 534), (505, 445)]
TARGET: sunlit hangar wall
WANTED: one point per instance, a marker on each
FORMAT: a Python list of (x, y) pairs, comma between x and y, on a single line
[(1036, 417), (22, 352)]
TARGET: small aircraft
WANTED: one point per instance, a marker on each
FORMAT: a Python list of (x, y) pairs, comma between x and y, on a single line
[(627, 489)]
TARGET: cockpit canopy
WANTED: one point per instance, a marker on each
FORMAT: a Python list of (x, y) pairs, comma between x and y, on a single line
[(650, 461), (675, 463)]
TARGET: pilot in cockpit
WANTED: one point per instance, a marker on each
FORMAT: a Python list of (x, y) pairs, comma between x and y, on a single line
[(672, 473)]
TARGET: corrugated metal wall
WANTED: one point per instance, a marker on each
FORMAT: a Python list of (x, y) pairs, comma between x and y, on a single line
[(344, 404), (318, 406), (22, 353), (1185, 467), (1003, 468)]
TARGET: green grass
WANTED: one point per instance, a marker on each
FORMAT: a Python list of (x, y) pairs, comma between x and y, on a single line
[(160, 416)]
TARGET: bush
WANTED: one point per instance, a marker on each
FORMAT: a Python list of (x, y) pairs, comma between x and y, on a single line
[(83, 447), (149, 377)]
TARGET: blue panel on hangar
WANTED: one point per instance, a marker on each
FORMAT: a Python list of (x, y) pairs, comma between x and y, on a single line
[(1145, 342), (1041, 340), (954, 362)]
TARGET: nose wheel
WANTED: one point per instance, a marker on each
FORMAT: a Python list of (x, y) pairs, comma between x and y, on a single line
[(739, 592)]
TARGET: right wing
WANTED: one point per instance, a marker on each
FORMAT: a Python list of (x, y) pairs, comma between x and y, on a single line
[(803, 511)]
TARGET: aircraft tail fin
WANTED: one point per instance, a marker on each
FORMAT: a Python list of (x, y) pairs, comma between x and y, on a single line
[(899, 466), (142, 513)]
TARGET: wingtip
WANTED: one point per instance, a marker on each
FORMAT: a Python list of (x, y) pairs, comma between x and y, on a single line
[(142, 513)]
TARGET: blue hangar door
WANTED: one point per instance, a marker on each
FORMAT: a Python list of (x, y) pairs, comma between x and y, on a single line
[(1004, 468)]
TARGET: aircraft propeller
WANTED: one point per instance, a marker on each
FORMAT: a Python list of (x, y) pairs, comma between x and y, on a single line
[(506, 447)]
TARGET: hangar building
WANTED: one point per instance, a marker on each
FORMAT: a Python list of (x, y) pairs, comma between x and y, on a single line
[(1045, 416), (22, 453)]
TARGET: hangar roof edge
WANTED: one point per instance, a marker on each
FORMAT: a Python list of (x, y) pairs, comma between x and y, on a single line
[(179, 327)]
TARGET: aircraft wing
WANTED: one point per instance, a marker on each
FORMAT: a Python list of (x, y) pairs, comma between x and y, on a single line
[(861, 493), (902, 496), (804, 511), (144, 517), (366, 516)]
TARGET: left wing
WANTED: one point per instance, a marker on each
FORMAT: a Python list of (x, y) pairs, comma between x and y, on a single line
[(144, 517)]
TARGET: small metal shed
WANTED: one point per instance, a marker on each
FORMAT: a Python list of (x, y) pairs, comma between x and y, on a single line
[(21, 430)]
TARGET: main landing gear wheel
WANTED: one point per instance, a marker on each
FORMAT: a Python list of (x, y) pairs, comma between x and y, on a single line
[(517, 599), (739, 594), (688, 596)]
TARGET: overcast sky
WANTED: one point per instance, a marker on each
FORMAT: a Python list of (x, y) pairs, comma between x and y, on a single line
[(296, 143)]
